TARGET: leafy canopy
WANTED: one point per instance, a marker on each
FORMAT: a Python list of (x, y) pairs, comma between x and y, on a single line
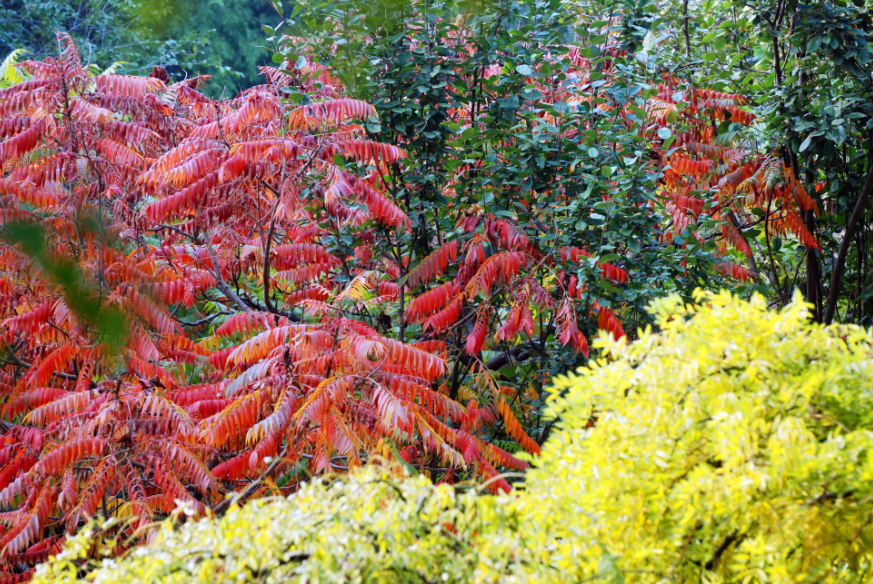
[(805, 68), (733, 444), (202, 297)]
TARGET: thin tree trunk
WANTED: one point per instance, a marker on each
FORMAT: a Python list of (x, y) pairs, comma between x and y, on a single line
[(848, 235), (685, 28)]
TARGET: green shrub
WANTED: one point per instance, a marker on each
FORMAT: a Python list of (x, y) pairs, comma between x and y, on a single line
[(732, 446)]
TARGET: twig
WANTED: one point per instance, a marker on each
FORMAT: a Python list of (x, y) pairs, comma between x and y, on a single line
[(224, 505), (204, 320), (848, 235), (222, 285), (16, 361)]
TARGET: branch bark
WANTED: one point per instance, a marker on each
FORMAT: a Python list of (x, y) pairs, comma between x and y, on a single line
[(267, 301), (219, 281), (15, 360), (721, 549), (274, 464), (685, 19)]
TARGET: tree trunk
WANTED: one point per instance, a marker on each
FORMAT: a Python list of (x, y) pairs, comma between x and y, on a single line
[(848, 235)]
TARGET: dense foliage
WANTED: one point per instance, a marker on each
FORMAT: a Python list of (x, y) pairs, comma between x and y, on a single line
[(104, 407), (133, 208), (733, 446), (629, 181)]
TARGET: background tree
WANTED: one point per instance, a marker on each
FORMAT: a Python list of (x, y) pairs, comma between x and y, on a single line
[(103, 410), (203, 296), (222, 38)]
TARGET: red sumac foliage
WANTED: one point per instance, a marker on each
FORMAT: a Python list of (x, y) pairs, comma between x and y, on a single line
[(204, 223), (726, 183)]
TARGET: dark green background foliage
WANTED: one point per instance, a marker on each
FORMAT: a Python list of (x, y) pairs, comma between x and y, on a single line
[(804, 66), (223, 38)]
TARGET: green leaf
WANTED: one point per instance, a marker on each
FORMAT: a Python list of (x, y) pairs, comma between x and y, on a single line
[(650, 41), (607, 285), (805, 144)]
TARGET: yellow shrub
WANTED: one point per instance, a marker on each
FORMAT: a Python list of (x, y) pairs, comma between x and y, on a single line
[(732, 446)]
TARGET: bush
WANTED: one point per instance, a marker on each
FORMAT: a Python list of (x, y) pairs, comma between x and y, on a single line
[(372, 526), (732, 446)]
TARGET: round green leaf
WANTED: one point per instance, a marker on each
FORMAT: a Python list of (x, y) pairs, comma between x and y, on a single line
[(806, 143)]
